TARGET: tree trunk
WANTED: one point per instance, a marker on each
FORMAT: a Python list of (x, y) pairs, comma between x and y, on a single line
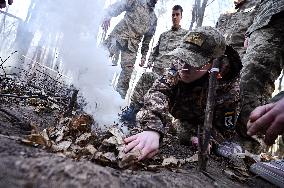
[(201, 12), (24, 35), (198, 11), (193, 17)]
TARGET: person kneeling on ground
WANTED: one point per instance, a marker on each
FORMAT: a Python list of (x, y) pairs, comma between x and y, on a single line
[(181, 94)]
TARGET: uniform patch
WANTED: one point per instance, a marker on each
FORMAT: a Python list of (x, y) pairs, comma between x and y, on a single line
[(195, 38), (229, 120)]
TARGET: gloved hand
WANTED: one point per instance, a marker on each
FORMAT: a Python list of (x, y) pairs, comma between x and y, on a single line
[(106, 24), (3, 3)]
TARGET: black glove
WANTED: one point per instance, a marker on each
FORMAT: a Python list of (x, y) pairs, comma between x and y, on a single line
[(3, 3)]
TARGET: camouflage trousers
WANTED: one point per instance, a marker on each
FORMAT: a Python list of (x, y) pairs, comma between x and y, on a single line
[(128, 59), (127, 62), (263, 63), (143, 85)]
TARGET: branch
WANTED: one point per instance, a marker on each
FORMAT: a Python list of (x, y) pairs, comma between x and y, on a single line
[(25, 125), (210, 3), (9, 114), (3, 61), (204, 132), (10, 15), (33, 97)]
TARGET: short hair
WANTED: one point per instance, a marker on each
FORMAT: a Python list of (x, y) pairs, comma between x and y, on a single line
[(178, 7)]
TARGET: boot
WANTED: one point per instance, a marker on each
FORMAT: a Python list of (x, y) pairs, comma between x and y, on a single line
[(129, 114), (271, 171)]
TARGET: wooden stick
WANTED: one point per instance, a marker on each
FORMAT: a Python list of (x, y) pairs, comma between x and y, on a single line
[(205, 131)]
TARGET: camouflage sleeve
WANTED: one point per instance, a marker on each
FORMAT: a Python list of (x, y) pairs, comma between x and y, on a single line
[(119, 7), (233, 92), (154, 115), (147, 38), (155, 52), (227, 107)]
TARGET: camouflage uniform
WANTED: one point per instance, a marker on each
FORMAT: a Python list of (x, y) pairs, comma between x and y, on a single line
[(139, 22), (263, 61), (168, 41), (170, 98), (234, 25)]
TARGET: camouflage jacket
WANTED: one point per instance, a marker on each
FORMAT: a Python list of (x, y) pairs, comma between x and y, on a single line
[(168, 41), (139, 22), (234, 25), (170, 98), (266, 10)]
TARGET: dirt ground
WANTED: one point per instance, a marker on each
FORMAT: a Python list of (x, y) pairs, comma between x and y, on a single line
[(27, 166)]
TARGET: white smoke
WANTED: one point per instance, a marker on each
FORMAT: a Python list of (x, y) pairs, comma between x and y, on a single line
[(89, 63), (86, 62), (83, 60)]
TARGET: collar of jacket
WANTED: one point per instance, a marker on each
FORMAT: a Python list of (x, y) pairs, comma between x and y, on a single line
[(175, 29)]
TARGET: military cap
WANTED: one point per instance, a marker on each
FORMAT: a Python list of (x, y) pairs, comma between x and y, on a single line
[(199, 46)]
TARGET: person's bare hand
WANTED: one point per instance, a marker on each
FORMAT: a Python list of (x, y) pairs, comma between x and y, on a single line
[(267, 119), (147, 142), (260, 111), (106, 24)]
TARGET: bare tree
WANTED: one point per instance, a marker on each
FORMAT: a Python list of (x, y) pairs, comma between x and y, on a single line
[(35, 22), (8, 24), (24, 36), (198, 11)]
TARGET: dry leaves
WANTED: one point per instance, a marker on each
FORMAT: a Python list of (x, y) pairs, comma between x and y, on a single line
[(233, 176), (173, 162), (81, 123), (129, 159), (72, 137)]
